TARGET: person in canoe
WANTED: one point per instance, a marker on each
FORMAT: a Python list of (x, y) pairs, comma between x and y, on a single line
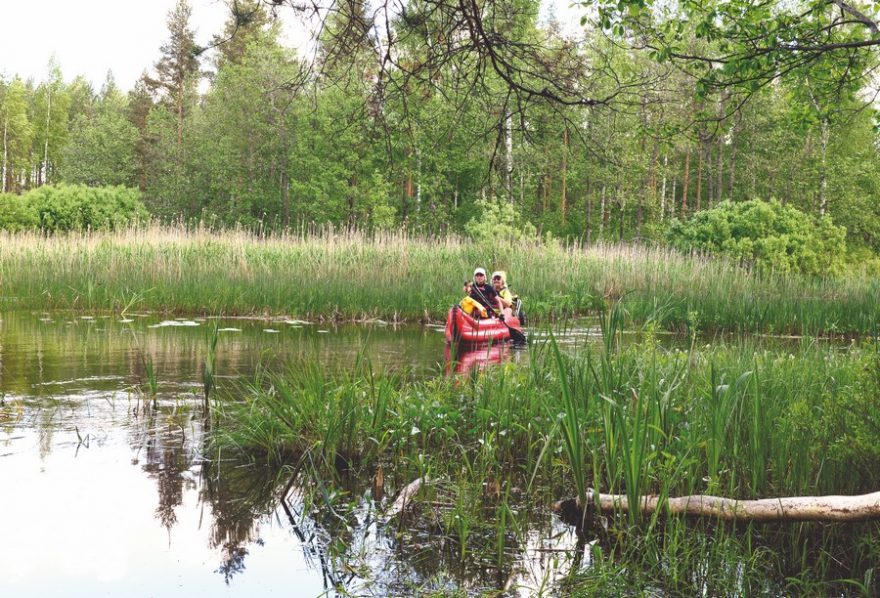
[(481, 297), (506, 296), (499, 283)]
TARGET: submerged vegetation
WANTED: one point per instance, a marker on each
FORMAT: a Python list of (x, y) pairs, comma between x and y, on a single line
[(497, 447), (351, 275)]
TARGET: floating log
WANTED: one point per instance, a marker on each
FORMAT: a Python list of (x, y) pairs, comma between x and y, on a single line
[(795, 508)]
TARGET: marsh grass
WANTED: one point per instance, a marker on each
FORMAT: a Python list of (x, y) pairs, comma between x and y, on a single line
[(350, 275), (152, 379), (742, 419), (209, 365)]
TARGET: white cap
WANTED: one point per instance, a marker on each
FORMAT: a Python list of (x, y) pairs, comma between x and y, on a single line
[(479, 271), (499, 274)]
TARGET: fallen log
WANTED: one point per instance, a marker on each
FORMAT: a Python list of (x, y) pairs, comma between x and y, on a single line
[(404, 498), (795, 508)]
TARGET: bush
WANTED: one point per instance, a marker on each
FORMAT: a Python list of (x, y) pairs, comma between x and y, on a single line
[(499, 220), (55, 208), (767, 234), (16, 214)]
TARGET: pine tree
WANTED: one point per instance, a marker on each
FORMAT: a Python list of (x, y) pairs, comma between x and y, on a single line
[(178, 69), (139, 104), (248, 21)]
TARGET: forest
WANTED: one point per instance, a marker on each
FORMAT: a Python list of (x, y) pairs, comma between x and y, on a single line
[(223, 294), (404, 120)]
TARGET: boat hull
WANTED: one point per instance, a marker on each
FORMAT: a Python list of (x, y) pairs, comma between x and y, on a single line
[(462, 328)]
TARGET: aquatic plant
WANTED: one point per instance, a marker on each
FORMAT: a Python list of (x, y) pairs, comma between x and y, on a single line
[(740, 417), (210, 364)]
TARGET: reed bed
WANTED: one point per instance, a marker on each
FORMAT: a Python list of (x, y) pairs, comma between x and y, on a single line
[(395, 276), (736, 419)]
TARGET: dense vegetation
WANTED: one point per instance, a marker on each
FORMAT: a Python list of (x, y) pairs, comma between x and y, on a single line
[(735, 419), (61, 208), (352, 275), (345, 138), (765, 234), (367, 179)]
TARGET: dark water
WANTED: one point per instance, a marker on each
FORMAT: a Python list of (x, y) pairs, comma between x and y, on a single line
[(103, 497)]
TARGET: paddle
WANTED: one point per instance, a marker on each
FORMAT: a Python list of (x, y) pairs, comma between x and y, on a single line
[(516, 333)]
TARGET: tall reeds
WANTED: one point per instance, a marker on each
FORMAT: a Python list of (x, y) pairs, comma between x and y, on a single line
[(353, 275)]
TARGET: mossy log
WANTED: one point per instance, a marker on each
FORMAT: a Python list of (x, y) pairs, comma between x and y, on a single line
[(794, 508)]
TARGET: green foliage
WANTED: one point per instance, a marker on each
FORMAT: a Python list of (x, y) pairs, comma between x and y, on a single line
[(78, 208), (746, 419), (100, 149), (16, 214), (499, 221), (768, 234)]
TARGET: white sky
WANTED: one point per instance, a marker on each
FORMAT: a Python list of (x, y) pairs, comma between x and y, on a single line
[(90, 37)]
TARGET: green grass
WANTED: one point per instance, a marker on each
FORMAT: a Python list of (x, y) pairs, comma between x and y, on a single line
[(737, 419), (352, 276)]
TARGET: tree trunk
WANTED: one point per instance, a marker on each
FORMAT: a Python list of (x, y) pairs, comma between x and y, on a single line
[(43, 176), (5, 156), (823, 173), (697, 205), (672, 199), (564, 205), (508, 166), (796, 508), (418, 180), (686, 182), (651, 191), (180, 122), (352, 184), (710, 171), (720, 171), (547, 181), (732, 170), (663, 187), (589, 218), (603, 220), (285, 198)]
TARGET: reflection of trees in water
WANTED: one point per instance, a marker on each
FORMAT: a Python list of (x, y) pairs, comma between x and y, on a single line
[(240, 495), (169, 454), (341, 530), (358, 552), (232, 560)]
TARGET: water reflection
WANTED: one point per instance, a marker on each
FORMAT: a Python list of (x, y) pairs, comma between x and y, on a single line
[(145, 505), (466, 359)]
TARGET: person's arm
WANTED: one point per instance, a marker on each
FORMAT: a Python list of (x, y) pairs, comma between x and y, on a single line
[(504, 301)]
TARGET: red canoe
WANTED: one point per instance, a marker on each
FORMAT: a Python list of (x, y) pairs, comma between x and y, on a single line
[(462, 328)]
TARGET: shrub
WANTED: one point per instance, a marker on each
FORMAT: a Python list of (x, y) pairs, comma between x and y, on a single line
[(767, 234), (16, 214), (77, 207), (499, 220)]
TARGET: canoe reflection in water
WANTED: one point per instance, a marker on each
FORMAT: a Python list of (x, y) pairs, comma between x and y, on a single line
[(464, 359)]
